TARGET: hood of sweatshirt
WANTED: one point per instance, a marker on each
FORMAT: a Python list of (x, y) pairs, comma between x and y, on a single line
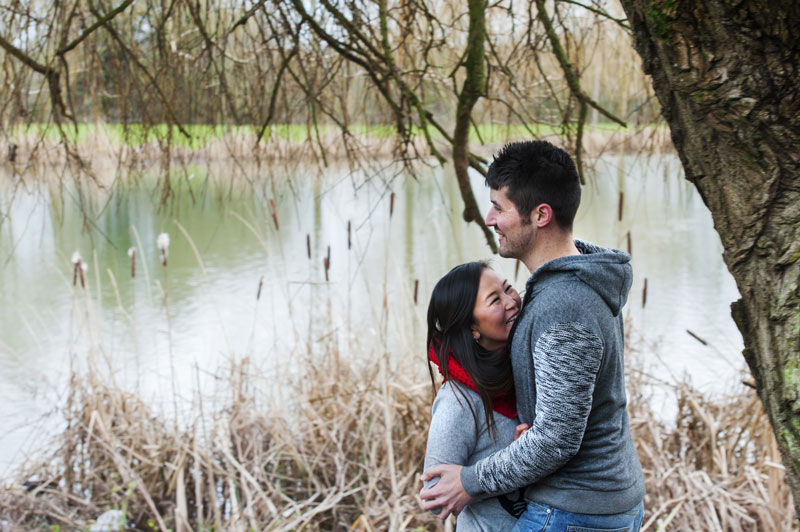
[(606, 271)]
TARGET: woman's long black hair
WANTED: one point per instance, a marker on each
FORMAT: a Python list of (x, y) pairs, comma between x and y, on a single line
[(450, 322)]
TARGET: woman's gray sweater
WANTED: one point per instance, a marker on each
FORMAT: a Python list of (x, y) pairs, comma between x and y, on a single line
[(453, 439)]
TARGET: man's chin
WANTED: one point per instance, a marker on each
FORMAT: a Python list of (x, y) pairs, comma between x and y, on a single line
[(505, 252)]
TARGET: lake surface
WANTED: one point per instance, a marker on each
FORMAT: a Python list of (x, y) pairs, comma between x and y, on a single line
[(169, 331)]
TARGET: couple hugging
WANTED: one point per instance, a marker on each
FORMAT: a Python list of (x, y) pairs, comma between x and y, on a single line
[(552, 361)]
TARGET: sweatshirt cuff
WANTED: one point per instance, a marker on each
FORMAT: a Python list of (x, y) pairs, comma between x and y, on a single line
[(470, 482)]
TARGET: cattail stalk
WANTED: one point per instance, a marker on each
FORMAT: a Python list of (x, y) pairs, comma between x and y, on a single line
[(693, 335), (644, 293), (326, 261), (132, 255), (274, 214)]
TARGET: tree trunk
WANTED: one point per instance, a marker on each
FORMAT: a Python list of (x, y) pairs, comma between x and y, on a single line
[(474, 87), (727, 74)]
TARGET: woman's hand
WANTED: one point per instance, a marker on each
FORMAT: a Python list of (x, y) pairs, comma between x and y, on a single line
[(521, 429)]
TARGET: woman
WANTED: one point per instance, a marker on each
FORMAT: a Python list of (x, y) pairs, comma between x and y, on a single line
[(470, 315)]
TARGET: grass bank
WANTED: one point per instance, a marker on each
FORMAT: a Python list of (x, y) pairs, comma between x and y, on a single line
[(132, 144), (199, 135), (345, 453)]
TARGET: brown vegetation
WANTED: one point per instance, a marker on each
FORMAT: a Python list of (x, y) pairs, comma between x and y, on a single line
[(346, 454)]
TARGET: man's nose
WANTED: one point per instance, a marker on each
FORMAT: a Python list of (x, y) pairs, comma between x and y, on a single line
[(490, 217)]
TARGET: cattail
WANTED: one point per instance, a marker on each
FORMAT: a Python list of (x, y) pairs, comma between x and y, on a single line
[(79, 269), (644, 293), (260, 286), (274, 214), (76, 265), (308, 244), (391, 205), (327, 262), (630, 244), (163, 244), (620, 206), (516, 270), (348, 234), (132, 255), (416, 290), (83, 268)]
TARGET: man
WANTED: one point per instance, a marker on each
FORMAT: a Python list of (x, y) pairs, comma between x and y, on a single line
[(577, 461)]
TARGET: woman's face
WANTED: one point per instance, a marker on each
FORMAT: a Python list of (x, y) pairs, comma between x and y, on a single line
[(496, 307)]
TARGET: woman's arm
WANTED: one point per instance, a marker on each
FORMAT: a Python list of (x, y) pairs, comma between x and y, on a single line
[(452, 434)]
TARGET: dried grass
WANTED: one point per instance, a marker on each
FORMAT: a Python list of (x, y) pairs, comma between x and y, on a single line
[(346, 455), (717, 469)]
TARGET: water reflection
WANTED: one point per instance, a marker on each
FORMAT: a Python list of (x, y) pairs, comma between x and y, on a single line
[(168, 330)]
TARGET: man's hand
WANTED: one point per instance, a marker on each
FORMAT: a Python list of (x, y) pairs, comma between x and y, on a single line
[(448, 494), (521, 429)]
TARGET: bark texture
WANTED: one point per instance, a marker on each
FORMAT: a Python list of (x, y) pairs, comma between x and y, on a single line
[(474, 87), (727, 74)]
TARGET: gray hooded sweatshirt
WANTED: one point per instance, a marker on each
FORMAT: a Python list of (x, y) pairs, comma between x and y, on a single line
[(567, 355)]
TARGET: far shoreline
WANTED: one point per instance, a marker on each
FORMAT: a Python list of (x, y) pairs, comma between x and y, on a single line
[(30, 146)]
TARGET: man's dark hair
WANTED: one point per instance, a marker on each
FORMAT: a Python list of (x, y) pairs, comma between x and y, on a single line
[(537, 172)]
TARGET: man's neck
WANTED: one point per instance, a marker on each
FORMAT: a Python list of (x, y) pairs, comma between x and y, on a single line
[(550, 247)]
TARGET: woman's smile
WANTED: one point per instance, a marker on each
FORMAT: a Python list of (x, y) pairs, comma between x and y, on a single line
[(496, 308)]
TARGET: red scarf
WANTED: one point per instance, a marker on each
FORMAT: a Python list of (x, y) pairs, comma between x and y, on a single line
[(504, 404)]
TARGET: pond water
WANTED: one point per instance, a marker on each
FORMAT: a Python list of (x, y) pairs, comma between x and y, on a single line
[(167, 331)]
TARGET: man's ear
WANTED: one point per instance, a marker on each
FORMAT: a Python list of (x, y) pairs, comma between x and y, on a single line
[(542, 215)]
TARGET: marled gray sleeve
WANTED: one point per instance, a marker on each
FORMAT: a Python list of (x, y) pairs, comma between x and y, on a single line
[(566, 359)]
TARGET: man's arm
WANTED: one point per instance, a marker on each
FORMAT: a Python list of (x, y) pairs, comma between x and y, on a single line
[(448, 495), (566, 360)]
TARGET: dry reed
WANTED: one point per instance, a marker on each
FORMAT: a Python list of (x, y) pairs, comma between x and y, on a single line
[(717, 469), (318, 464), (345, 453)]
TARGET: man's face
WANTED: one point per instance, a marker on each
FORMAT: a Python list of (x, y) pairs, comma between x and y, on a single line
[(516, 234)]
